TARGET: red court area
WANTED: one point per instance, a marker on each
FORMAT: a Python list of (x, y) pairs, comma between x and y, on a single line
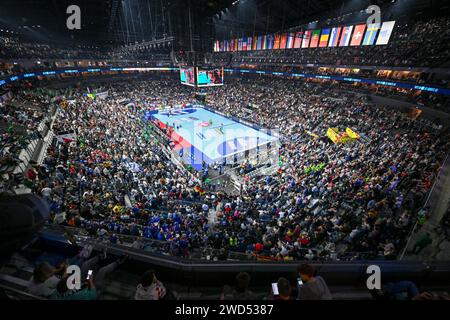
[(179, 141)]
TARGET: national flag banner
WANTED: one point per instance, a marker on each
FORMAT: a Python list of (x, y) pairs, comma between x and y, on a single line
[(298, 40), (236, 44), (358, 35), (255, 41), (306, 38), (314, 38), (323, 42), (240, 44), (66, 137), (290, 40), (264, 42), (334, 36), (333, 134), (259, 43), (283, 41), (385, 32), (102, 95), (276, 44), (230, 45), (244, 44), (371, 33), (249, 43), (352, 134), (346, 36), (270, 40)]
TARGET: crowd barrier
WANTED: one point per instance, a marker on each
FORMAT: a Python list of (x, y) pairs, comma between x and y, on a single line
[(196, 272)]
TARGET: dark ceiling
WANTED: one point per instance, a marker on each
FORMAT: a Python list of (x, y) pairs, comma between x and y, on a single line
[(249, 17), (104, 20), (129, 21)]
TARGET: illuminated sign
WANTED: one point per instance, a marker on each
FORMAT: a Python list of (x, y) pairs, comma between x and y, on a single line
[(426, 88), (337, 78), (352, 79)]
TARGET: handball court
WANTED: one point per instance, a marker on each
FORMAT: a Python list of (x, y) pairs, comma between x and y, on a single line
[(201, 135)]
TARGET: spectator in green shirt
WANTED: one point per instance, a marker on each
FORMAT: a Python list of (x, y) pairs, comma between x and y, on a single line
[(421, 243), (89, 292)]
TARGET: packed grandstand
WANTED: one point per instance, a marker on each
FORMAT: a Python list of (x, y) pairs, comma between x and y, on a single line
[(111, 176)]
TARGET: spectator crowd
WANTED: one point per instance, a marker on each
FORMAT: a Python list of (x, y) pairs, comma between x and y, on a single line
[(114, 176)]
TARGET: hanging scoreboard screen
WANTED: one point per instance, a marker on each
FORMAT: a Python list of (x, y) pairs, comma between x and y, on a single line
[(209, 77), (187, 76)]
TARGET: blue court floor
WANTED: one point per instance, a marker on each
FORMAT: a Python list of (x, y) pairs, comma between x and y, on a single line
[(211, 135)]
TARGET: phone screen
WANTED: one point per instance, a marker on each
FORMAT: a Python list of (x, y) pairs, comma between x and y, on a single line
[(299, 281), (89, 275), (275, 289)]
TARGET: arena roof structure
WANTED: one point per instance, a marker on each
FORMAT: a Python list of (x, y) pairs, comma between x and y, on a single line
[(119, 22)]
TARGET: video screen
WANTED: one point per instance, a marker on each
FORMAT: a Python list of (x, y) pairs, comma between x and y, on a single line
[(187, 76), (209, 77)]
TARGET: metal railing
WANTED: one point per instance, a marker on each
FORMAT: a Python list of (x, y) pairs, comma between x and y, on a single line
[(432, 194), (17, 294), (163, 248)]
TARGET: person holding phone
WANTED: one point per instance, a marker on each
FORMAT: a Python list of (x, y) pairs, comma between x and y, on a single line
[(93, 280), (88, 291), (312, 287), (281, 289)]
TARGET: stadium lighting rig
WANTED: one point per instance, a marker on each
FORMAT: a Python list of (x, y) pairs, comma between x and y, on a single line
[(150, 44)]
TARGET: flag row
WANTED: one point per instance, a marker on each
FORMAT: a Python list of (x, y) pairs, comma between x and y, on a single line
[(353, 35)]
